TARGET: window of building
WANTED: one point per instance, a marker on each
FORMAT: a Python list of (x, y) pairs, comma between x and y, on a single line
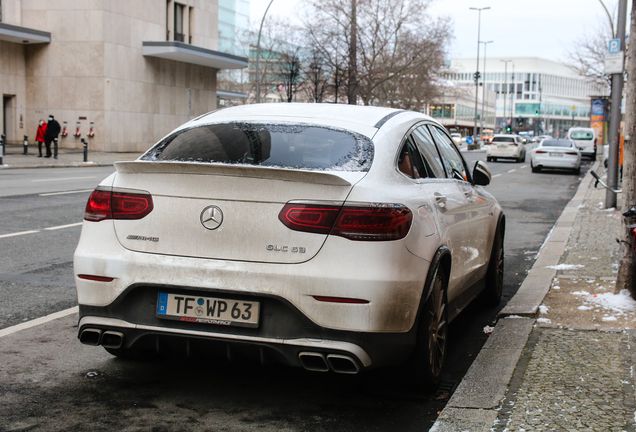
[(178, 23)]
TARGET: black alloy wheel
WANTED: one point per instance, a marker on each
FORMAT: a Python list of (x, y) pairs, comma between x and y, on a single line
[(495, 273), (430, 352)]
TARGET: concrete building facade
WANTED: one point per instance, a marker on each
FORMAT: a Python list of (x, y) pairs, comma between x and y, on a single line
[(130, 70)]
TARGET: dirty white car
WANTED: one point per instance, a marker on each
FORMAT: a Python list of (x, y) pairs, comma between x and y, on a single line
[(329, 237)]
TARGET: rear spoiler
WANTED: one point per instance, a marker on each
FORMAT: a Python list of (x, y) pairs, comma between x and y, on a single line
[(332, 178)]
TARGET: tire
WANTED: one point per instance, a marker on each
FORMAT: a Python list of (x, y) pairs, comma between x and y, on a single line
[(494, 159), (488, 159), (577, 171), (534, 168), (593, 157), (495, 274), (428, 358)]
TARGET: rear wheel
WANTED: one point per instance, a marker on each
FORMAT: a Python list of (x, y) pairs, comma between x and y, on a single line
[(428, 358), (577, 171), (495, 273), (593, 157), (488, 159), (534, 168)]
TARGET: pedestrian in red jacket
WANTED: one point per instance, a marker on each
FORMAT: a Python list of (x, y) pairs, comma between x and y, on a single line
[(39, 136)]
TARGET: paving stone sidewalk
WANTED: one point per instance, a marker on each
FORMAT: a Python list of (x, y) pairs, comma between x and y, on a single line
[(575, 373), (13, 158)]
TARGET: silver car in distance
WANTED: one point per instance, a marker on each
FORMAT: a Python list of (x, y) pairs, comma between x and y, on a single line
[(329, 237)]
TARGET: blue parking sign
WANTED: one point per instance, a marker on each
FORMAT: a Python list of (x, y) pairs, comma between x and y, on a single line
[(469, 140), (614, 46)]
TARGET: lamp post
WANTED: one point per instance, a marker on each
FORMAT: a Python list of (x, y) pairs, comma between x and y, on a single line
[(477, 71), (258, 54), (483, 99), (505, 98)]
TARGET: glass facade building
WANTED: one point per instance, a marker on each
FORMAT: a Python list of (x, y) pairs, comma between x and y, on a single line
[(234, 20)]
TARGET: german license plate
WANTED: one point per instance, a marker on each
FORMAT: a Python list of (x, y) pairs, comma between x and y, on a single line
[(208, 310), (502, 146), (555, 154)]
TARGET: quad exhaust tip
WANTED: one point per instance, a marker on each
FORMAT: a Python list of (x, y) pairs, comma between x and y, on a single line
[(90, 337), (318, 362), (343, 364), (107, 339)]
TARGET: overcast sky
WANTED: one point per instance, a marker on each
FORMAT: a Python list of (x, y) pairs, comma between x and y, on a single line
[(537, 28)]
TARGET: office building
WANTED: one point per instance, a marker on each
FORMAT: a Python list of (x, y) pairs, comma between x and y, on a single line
[(538, 95)]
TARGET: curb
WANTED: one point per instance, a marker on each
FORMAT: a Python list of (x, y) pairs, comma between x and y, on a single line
[(66, 165), (475, 404)]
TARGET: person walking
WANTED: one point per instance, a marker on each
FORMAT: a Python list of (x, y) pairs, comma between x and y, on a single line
[(39, 135), (52, 131)]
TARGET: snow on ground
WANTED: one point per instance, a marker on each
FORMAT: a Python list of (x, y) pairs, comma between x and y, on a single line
[(565, 266), (617, 304)]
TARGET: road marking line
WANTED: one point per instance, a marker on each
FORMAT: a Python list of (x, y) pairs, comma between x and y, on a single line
[(64, 226), (18, 234), (38, 321), (66, 193), (512, 170), (61, 179), (496, 175), (524, 166)]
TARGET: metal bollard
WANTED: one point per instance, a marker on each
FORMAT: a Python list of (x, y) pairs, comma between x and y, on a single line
[(26, 145), (54, 148), (2, 137), (85, 149)]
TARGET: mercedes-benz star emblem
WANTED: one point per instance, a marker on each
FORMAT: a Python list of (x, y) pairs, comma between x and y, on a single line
[(211, 217)]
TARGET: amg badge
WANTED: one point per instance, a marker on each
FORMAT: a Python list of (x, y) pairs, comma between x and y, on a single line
[(142, 238)]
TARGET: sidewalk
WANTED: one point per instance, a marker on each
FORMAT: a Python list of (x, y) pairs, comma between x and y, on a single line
[(560, 357), (13, 158)]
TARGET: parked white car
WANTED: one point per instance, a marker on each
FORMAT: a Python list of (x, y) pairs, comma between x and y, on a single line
[(506, 147), (585, 140), (457, 138), (329, 237), (552, 153)]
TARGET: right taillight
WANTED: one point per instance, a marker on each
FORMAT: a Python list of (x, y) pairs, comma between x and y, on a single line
[(114, 204), (540, 152), (362, 222)]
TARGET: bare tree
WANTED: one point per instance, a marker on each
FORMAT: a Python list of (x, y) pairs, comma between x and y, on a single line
[(290, 69), (587, 56), (398, 46), (316, 77)]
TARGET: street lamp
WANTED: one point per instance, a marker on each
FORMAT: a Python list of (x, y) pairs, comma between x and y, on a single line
[(483, 99), (258, 54), (505, 97), (477, 72)]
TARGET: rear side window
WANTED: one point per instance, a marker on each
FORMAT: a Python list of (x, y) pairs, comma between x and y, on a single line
[(425, 142), (504, 139), (582, 135), (453, 162), (298, 146)]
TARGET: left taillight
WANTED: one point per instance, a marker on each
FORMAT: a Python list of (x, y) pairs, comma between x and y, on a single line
[(362, 222), (116, 204)]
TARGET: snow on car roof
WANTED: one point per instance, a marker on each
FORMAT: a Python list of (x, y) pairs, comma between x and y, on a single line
[(363, 115)]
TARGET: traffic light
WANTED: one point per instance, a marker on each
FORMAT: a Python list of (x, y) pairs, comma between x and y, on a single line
[(536, 113), (508, 129), (476, 76)]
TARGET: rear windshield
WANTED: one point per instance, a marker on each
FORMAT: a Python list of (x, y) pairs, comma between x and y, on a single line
[(503, 139), (556, 143), (582, 135), (298, 146)]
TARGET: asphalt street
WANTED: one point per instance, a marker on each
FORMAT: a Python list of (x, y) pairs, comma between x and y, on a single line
[(49, 381)]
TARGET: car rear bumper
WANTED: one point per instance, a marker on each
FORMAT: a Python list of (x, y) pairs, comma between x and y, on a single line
[(493, 151), (284, 335), (556, 162)]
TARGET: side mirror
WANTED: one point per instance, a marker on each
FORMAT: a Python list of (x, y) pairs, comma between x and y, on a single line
[(481, 174)]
